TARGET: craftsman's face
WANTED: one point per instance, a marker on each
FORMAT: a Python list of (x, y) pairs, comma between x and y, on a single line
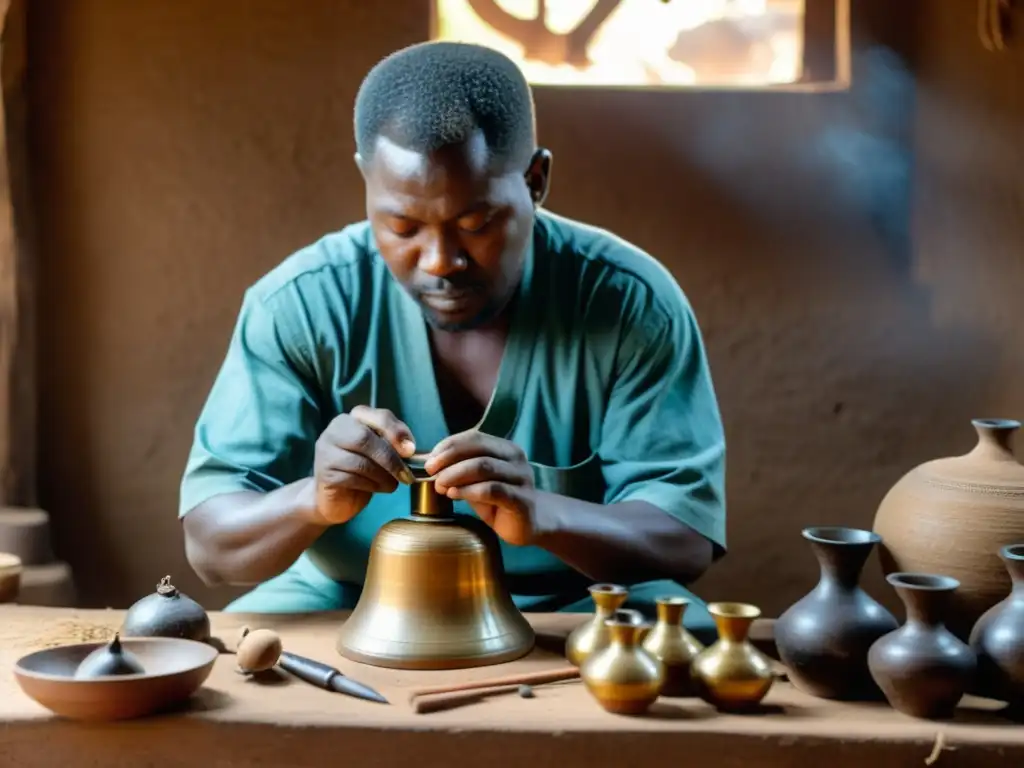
[(453, 226)]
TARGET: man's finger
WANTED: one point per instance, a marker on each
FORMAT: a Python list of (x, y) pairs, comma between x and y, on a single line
[(336, 483), (492, 492), (348, 464), (487, 513), (468, 445), (387, 425), (477, 470), (365, 440)]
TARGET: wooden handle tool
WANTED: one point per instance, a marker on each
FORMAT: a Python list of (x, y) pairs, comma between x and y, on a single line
[(424, 700), (423, 705)]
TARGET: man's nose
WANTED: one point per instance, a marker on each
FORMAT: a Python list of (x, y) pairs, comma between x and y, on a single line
[(441, 255)]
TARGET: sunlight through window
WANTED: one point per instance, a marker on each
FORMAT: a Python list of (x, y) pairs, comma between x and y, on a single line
[(636, 43)]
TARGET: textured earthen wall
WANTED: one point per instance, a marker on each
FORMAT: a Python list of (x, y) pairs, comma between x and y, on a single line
[(856, 259)]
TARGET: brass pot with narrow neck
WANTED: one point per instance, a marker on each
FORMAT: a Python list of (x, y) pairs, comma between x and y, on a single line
[(731, 674), (673, 646), (623, 676), (434, 595), (594, 634)]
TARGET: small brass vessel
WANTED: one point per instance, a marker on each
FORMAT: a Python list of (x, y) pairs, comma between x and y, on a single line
[(732, 674), (673, 646), (434, 595), (593, 634), (623, 677)]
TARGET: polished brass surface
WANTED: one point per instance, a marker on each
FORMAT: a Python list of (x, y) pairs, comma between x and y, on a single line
[(434, 595), (622, 676), (426, 502), (731, 673), (670, 643), (593, 634)]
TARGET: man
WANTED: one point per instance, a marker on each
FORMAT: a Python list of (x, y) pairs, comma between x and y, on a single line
[(554, 373)]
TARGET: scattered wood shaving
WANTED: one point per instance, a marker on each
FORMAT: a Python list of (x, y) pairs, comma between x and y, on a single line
[(938, 748), (64, 633)]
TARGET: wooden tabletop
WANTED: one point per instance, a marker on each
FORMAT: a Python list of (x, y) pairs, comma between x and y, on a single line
[(237, 721)]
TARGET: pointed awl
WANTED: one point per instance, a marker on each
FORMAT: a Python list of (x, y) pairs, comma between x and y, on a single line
[(326, 677)]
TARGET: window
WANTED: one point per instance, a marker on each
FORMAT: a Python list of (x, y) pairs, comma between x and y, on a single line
[(657, 43)]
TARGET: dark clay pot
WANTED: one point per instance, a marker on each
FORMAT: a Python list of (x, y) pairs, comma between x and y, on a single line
[(922, 668), (824, 638), (998, 637)]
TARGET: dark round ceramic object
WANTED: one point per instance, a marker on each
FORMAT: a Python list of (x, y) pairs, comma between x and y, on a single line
[(168, 612), (922, 668), (998, 637), (174, 670), (108, 661), (824, 638)]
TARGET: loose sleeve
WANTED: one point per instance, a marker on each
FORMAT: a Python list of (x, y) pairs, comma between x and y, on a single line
[(260, 422), (662, 441)]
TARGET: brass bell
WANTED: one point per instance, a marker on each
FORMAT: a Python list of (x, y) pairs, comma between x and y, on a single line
[(434, 595)]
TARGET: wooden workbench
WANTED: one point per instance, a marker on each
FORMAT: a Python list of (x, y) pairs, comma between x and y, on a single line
[(235, 721)]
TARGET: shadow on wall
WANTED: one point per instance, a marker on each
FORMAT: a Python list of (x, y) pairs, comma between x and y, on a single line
[(787, 220)]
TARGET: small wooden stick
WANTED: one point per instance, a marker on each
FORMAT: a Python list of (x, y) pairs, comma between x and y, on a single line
[(423, 705), (529, 678)]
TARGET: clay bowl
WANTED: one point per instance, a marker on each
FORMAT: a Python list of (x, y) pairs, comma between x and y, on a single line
[(10, 577), (175, 669)]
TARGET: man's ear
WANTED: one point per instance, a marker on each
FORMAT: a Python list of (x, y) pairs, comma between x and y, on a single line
[(538, 176), (360, 164)]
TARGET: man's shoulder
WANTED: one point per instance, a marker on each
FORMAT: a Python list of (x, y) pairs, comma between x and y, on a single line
[(344, 258), (611, 269)]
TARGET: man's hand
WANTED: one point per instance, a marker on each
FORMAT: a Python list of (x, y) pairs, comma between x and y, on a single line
[(359, 454), (491, 474)]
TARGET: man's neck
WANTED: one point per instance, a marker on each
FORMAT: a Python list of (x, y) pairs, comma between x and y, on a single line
[(495, 328), (466, 365)]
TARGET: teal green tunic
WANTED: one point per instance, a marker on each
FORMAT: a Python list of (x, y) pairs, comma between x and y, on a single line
[(604, 383)]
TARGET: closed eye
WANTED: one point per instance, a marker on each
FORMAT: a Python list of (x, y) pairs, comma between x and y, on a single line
[(477, 222), (402, 227)]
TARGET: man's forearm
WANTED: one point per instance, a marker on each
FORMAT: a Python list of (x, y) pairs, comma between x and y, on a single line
[(624, 543), (249, 537)]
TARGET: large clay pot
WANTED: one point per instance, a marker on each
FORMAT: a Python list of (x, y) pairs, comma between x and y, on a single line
[(823, 639), (953, 515)]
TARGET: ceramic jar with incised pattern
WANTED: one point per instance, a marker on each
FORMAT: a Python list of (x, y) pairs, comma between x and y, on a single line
[(953, 515)]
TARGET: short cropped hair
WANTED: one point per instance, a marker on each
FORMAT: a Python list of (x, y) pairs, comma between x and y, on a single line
[(436, 94)]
